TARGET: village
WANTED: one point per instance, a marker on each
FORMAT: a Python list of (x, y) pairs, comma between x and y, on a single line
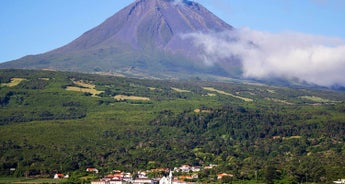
[(185, 174)]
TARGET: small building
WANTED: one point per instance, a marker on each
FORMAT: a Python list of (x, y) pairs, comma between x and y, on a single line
[(188, 177), (116, 182), (167, 180), (164, 180), (196, 168), (178, 182), (142, 181), (127, 179), (340, 181), (59, 176), (211, 166), (142, 174), (222, 175), (100, 182), (185, 168), (91, 169)]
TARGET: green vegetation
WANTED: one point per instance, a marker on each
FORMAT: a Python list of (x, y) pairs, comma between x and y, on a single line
[(315, 99), (277, 135), (225, 93), (30, 180), (13, 82)]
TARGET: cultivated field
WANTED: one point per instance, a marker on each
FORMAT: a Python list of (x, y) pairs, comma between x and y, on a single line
[(316, 99), (181, 90), (14, 82), (84, 87), (228, 94), (7, 180), (125, 97)]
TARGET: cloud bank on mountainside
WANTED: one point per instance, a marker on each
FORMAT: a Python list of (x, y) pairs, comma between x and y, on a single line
[(309, 58)]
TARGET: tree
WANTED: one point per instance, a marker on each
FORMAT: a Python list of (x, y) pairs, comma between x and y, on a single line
[(271, 174), (227, 179)]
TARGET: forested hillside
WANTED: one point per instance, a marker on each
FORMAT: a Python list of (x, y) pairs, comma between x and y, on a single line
[(65, 122)]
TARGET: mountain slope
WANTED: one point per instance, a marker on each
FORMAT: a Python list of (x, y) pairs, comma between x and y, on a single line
[(145, 39), (49, 123)]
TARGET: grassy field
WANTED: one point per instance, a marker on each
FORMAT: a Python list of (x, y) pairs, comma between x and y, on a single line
[(84, 87), (94, 92), (316, 99), (181, 90), (228, 94), (14, 82), (125, 97), (7, 180)]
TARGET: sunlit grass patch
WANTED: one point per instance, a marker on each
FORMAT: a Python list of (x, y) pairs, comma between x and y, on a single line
[(125, 97), (84, 84), (316, 99), (14, 82), (94, 92), (211, 94), (228, 94), (180, 90), (292, 137), (199, 111), (279, 100), (271, 91), (43, 78), (84, 87)]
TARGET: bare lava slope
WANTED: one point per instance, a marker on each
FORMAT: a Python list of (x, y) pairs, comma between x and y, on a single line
[(144, 39)]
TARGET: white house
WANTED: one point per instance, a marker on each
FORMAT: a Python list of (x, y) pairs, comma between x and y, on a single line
[(116, 182), (341, 181), (90, 169), (164, 180), (167, 180), (185, 168), (99, 182), (142, 181), (59, 176), (196, 168)]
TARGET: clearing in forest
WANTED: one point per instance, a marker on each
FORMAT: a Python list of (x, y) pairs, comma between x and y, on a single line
[(84, 84), (14, 82), (315, 99), (180, 90), (200, 110), (211, 94), (125, 97), (84, 87), (279, 100), (228, 94)]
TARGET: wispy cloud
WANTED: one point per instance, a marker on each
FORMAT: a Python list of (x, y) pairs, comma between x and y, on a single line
[(314, 59)]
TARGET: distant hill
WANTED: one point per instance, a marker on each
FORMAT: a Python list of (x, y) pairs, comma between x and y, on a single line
[(145, 39)]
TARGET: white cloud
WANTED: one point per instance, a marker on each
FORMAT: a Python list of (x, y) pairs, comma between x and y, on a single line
[(314, 59)]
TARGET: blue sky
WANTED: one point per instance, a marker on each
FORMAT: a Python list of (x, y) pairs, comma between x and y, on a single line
[(37, 26)]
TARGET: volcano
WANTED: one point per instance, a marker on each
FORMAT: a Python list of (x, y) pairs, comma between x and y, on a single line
[(144, 39)]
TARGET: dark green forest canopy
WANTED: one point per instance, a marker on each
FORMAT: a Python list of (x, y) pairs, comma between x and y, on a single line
[(64, 122)]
